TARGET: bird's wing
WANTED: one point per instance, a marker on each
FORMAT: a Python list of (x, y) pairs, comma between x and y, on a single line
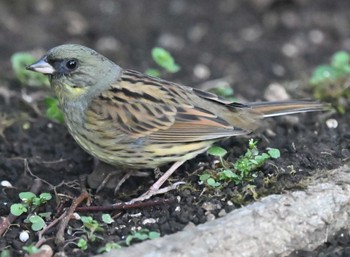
[(142, 106)]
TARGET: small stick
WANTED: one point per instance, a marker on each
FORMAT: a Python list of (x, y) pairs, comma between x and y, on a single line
[(64, 221), (125, 206)]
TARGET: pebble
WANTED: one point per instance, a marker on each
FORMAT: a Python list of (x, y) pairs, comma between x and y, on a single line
[(149, 221), (222, 213), (208, 206), (332, 123), (201, 71), (290, 50), (276, 92), (24, 236), (210, 216), (316, 36), (6, 183)]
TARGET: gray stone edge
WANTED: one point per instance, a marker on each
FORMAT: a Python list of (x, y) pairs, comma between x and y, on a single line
[(276, 225)]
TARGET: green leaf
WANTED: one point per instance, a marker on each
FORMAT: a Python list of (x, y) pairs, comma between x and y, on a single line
[(106, 218), (37, 222), (211, 182), (340, 60), (31, 249), (164, 59), (153, 235), (82, 244), (140, 236), (26, 197), (274, 153), (108, 247), (86, 219), (325, 73), (204, 177), (45, 214), (29, 78), (45, 196), (18, 209), (229, 173), (128, 239), (36, 201), (217, 151)]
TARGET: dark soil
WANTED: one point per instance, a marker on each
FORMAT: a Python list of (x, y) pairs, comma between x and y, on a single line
[(250, 44)]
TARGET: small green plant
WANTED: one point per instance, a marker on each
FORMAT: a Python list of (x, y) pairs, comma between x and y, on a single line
[(19, 63), (330, 81), (108, 247), (106, 218), (82, 244), (218, 152), (31, 249), (29, 201), (91, 226), (141, 235), (38, 222), (53, 111), (253, 160), (240, 171), (164, 59), (338, 68)]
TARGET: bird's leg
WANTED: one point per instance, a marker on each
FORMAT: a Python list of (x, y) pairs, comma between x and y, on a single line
[(155, 188), (107, 176), (128, 175)]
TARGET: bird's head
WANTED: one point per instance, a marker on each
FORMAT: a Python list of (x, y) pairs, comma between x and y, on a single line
[(76, 71)]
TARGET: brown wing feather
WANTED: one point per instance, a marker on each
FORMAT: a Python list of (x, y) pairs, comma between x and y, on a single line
[(142, 106)]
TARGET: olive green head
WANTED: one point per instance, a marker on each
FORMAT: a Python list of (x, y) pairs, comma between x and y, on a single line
[(76, 71)]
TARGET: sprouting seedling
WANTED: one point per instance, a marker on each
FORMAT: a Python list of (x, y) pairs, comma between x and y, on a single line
[(141, 235), (338, 67), (82, 244), (331, 81), (37, 222), (91, 226), (240, 171), (106, 218), (108, 247), (165, 60), (218, 152), (31, 249), (29, 201), (253, 160)]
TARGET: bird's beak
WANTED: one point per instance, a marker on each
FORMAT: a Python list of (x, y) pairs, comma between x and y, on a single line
[(41, 66)]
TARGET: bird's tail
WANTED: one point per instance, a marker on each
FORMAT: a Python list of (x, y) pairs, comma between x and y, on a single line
[(271, 109)]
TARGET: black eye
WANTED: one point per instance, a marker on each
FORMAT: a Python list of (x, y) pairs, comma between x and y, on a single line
[(71, 64)]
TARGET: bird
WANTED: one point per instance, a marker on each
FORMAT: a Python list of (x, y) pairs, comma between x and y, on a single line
[(134, 121)]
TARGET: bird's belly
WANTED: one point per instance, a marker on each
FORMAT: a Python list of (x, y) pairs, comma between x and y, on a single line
[(140, 156)]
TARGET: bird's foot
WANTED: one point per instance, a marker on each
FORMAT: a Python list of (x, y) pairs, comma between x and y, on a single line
[(155, 191)]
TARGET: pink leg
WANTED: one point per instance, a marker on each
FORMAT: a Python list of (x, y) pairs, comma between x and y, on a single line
[(155, 188)]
